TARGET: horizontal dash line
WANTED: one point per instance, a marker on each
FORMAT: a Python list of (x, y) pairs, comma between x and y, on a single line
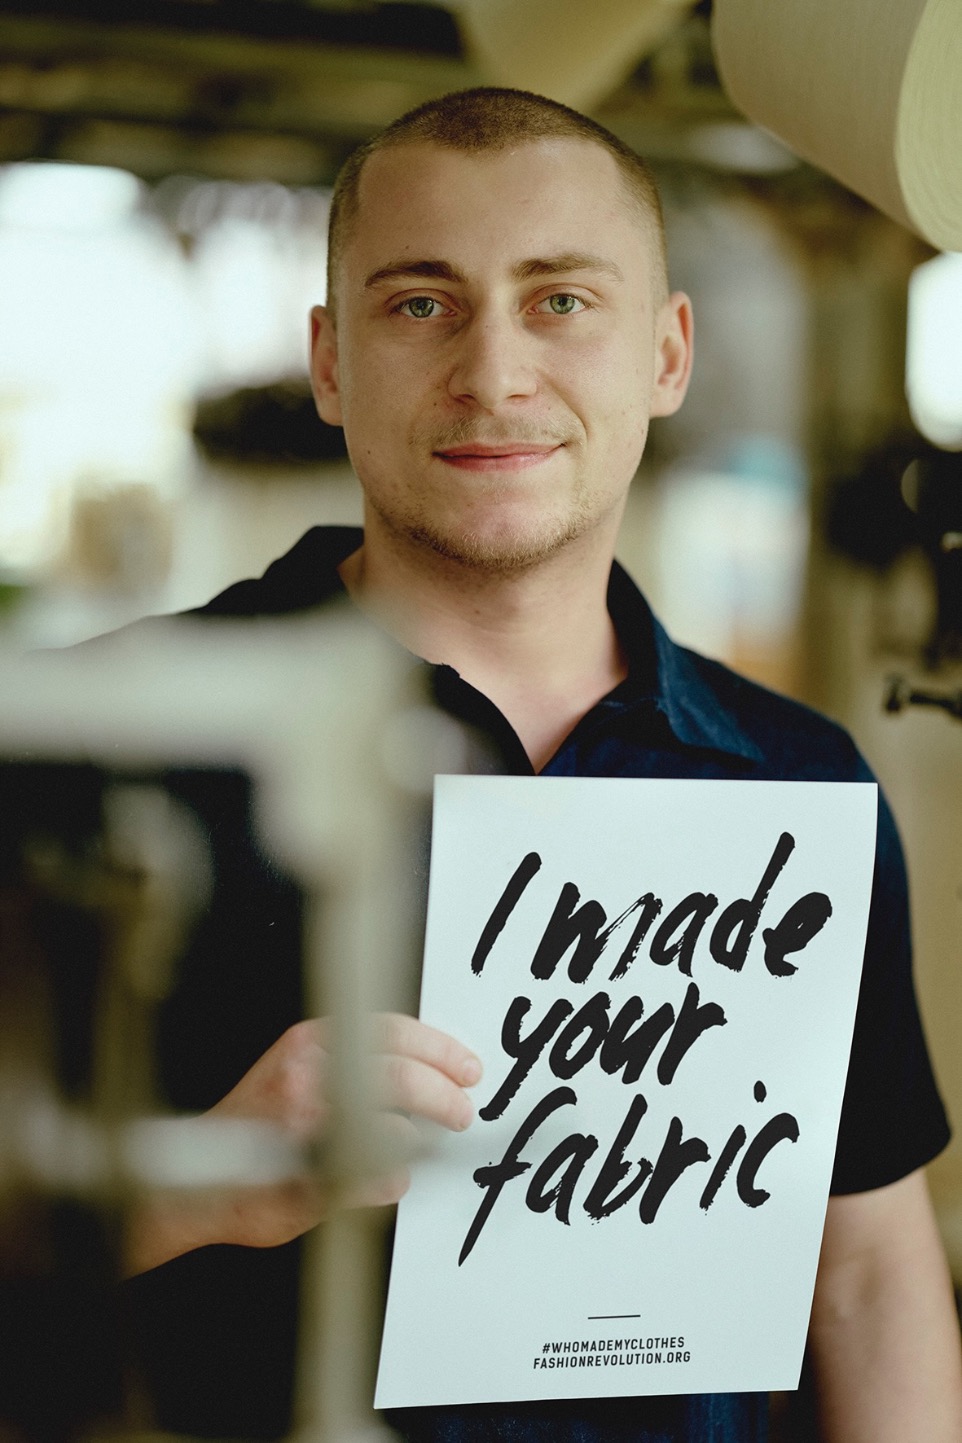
[(609, 1317)]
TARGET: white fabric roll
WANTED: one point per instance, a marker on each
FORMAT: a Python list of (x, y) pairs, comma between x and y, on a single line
[(868, 90), (575, 51)]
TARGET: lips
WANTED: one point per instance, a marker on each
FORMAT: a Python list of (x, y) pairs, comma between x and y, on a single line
[(499, 448), (498, 455)]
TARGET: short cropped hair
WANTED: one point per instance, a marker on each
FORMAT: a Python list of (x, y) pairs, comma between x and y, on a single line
[(489, 118)]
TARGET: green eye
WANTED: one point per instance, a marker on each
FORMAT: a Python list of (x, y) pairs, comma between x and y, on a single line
[(420, 307), (563, 305)]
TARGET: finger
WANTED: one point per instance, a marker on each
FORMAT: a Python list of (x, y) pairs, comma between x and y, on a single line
[(422, 1090), (409, 1037), (394, 1032)]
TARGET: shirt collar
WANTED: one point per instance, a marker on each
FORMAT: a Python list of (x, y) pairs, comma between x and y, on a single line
[(675, 680), (660, 673)]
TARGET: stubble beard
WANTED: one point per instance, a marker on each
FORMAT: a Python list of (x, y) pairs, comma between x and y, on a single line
[(503, 551), (500, 550)]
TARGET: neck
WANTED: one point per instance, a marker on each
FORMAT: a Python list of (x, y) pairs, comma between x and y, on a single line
[(538, 642)]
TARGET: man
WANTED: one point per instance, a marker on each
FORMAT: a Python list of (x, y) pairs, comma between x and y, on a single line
[(498, 334)]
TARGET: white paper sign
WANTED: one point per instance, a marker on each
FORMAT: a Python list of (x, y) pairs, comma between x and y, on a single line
[(660, 978)]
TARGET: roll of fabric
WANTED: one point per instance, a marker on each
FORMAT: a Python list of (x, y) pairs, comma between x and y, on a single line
[(868, 90), (570, 50)]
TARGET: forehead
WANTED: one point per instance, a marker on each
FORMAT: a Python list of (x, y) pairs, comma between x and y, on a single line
[(538, 197)]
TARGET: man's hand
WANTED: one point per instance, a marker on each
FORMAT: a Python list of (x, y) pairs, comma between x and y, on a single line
[(884, 1333), (415, 1070)]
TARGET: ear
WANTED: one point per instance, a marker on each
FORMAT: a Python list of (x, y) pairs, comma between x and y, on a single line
[(674, 336), (324, 375)]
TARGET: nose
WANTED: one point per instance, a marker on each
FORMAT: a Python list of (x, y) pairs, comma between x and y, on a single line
[(494, 361)]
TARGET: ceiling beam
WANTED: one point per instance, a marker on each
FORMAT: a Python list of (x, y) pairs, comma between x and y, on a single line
[(218, 104)]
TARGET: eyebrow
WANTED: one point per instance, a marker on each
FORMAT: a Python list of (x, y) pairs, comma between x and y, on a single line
[(561, 264), (565, 262), (429, 270)]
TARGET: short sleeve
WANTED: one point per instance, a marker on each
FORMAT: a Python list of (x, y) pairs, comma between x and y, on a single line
[(893, 1120)]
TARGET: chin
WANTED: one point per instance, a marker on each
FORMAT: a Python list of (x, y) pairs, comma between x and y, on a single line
[(502, 553)]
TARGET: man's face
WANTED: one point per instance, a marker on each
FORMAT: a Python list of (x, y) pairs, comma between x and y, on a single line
[(500, 347)]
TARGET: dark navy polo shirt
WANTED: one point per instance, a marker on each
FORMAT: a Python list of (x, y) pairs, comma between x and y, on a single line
[(676, 714)]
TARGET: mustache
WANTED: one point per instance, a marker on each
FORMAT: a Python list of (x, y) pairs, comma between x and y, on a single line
[(470, 430)]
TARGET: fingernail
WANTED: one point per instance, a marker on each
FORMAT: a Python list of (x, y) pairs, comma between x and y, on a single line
[(467, 1117), (471, 1072)]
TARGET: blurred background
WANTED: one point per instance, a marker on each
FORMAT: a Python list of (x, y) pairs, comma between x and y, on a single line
[(164, 178)]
